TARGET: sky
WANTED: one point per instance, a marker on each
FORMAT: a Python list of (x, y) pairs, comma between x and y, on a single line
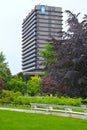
[(12, 13)]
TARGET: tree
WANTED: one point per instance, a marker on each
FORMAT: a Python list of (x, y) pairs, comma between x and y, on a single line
[(70, 69), (49, 56), (1, 85), (16, 84), (5, 73), (49, 85), (33, 85)]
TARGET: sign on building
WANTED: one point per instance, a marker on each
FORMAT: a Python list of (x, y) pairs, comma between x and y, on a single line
[(43, 9)]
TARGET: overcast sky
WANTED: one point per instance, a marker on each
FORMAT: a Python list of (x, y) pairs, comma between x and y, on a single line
[(12, 13)]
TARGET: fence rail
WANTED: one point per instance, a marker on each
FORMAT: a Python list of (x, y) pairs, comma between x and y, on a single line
[(61, 110)]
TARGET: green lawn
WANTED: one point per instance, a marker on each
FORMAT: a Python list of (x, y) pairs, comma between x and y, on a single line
[(26, 121)]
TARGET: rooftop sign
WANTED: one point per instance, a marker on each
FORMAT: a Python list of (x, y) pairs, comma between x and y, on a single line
[(43, 9)]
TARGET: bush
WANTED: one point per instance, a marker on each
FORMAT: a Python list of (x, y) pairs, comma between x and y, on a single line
[(7, 96), (49, 85), (84, 101), (21, 100), (17, 98), (33, 87), (70, 101), (26, 100), (16, 84)]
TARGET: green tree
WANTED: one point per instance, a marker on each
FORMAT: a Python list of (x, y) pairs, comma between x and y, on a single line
[(1, 85), (5, 73), (16, 84), (33, 85), (49, 55)]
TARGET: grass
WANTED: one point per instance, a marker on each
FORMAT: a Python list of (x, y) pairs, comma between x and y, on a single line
[(27, 107), (26, 121)]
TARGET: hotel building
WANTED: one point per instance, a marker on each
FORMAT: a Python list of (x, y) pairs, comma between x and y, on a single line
[(41, 23)]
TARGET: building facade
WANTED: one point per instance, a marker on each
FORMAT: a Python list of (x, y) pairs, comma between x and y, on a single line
[(37, 27)]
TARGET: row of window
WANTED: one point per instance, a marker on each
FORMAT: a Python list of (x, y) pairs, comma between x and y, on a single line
[(29, 68), (29, 50), (30, 23), (29, 29), (49, 17), (24, 49), (28, 18), (28, 60), (28, 37), (29, 40), (28, 65)]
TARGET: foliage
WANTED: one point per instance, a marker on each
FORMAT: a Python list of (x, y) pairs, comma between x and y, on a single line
[(25, 77), (84, 101), (33, 85), (26, 100), (22, 100), (47, 100), (71, 53), (49, 56), (10, 97), (16, 84), (49, 85), (1, 85), (7, 96), (5, 73)]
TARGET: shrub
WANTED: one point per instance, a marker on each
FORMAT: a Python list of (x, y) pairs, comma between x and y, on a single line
[(10, 97), (70, 101), (16, 84), (7, 96), (21, 100), (33, 87), (26, 100), (84, 101), (49, 85)]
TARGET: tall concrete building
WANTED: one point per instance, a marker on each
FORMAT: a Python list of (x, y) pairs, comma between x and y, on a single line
[(42, 22)]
